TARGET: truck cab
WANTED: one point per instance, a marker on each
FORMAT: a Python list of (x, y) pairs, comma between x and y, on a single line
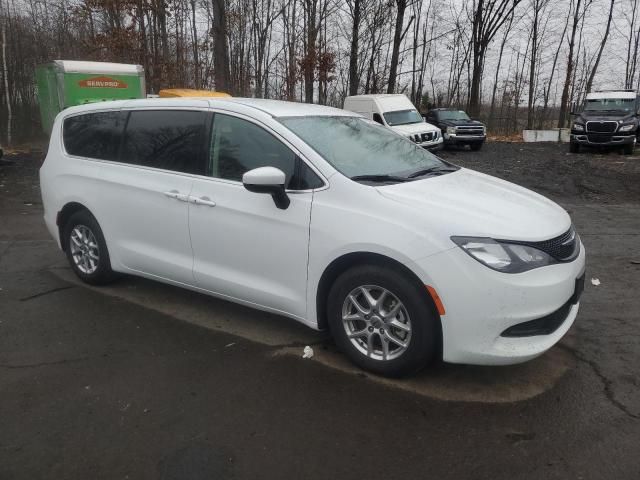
[(609, 119), (396, 112), (457, 127)]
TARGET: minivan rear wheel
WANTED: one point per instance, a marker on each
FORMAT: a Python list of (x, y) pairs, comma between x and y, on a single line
[(86, 249), (381, 319)]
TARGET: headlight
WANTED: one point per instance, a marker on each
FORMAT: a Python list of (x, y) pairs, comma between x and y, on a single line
[(578, 127), (627, 128), (502, 256), (451, 129)]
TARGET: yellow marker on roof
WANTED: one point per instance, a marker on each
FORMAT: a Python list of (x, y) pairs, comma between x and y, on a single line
[(190, 92)]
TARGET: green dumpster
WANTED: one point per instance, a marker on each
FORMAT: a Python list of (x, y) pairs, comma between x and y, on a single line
[(65, 83)]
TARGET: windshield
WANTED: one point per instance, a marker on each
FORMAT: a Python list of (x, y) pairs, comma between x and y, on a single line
[(610, 104), (357, 147), (453, 115), (402, 117)]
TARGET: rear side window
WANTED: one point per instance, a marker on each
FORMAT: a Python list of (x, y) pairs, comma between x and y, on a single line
[(166, 139), (94, 135)]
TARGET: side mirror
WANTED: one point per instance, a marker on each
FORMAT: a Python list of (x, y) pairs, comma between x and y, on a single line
[(268, 180)]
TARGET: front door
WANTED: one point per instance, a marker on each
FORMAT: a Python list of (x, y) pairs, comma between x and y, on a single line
[(244, 246)]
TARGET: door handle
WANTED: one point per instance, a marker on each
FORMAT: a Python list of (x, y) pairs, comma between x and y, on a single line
[(202, 201), (177, 195)]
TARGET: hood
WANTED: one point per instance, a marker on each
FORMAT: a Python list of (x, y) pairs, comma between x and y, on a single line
[(411, 128), (461, 123), (624, 117), (469, 203)]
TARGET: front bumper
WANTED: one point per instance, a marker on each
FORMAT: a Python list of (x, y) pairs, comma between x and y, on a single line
[(482, 304), (602, 139), (455, 139)]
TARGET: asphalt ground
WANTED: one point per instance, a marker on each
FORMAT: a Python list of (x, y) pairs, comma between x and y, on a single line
[(143, 380)]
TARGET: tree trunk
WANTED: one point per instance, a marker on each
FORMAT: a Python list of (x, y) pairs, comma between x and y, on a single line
[(194, 40), (354, 81), (564, 99), (311, 56), (5, 74), (220, 49), (532, 64), (397, 39)]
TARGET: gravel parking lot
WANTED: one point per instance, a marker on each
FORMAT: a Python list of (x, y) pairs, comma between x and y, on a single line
[(141, 380), (599, 176)]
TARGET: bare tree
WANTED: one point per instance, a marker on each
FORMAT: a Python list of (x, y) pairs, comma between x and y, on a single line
[(631, 34), (488, 17), (398, 36), (577, 14), (603, 42), (538, 6), (505, 36)]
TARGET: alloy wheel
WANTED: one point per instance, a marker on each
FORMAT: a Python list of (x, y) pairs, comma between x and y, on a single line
[(376, 322), (84, 249)]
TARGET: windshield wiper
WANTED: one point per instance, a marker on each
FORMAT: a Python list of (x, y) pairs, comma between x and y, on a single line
[(432, 170), (379, 178)]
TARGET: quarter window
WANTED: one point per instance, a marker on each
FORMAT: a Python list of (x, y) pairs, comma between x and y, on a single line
[(166, 139), (94, 135), (238, 146)]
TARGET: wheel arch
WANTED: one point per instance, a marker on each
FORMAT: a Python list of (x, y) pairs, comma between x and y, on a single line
[(63, 217), (349, 260)]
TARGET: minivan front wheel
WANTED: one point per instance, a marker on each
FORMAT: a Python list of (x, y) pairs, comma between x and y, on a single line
[(382, 320), (86, 249)]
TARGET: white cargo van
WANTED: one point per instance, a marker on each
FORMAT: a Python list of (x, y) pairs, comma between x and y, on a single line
[(395, 111)]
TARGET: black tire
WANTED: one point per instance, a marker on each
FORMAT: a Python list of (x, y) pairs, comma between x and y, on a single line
[(476, 146), (102, 274), (574, 147), (628, 149), (424, 337)]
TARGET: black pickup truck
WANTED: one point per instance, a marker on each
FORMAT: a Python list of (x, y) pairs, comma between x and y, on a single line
[(609, 119), (457, 128)]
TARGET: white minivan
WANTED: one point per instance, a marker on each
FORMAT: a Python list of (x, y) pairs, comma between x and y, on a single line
[(317, 214), (395, 111)]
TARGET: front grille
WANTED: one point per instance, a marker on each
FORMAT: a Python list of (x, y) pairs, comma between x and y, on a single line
[(470, 131), (423, 137), (549, 323), (602, 127), (427, 137), (563, 248)]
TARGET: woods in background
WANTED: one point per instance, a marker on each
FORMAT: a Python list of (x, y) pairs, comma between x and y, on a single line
[(515, 63)]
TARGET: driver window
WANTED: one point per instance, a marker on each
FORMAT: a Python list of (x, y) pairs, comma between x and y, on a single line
[(238, 146)]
